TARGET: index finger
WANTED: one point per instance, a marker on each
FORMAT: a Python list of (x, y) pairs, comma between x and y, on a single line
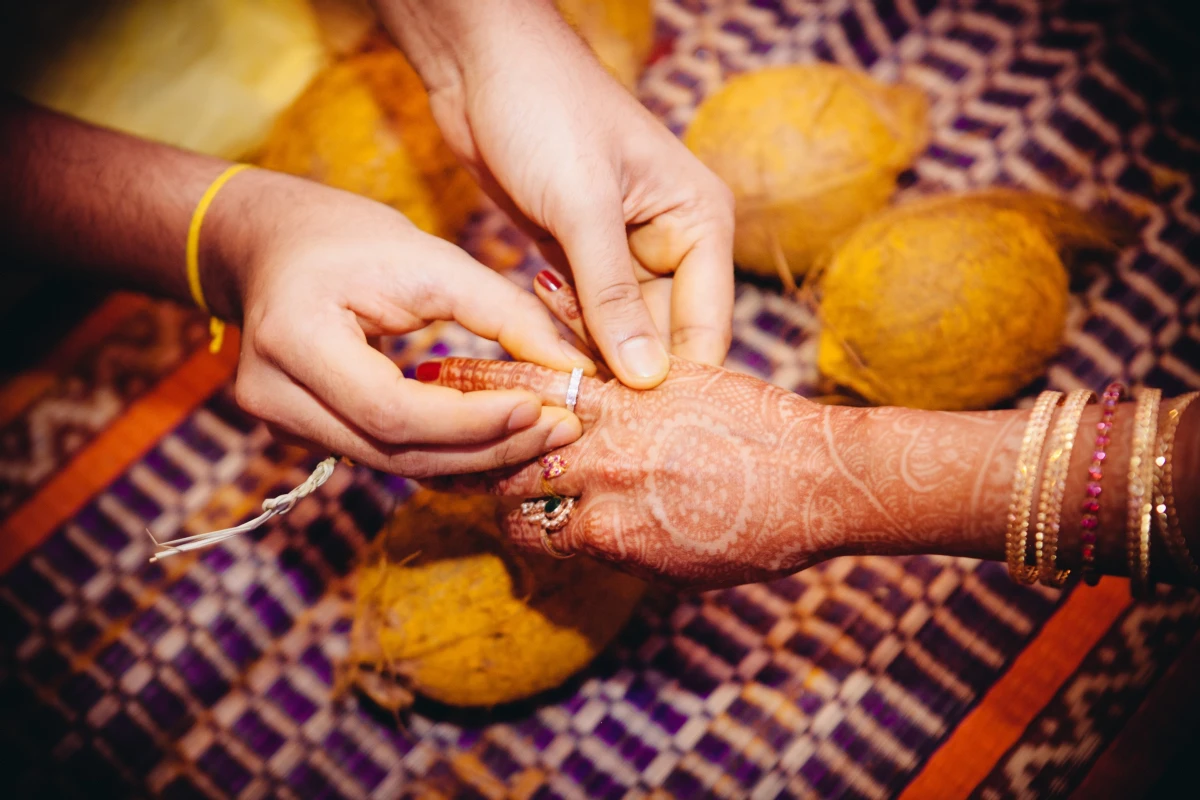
[(593, 235), (369, 391), (474, 375)]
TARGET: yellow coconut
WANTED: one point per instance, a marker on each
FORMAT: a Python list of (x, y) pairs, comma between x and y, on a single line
[(951, 302), (620, 33), (207, 75), (447, 610), (809, 151), (365, 126)]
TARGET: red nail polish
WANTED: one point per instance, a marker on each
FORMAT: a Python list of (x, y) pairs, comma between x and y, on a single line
[(549, 281), (429, 371)]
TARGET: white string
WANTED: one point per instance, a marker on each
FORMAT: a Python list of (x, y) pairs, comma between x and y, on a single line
[(272, 507)]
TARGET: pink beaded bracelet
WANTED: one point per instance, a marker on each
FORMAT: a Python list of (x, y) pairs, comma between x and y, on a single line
[(1090, 521)]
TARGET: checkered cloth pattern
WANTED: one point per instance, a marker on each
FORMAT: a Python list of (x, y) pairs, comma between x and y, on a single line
[(215, 675)]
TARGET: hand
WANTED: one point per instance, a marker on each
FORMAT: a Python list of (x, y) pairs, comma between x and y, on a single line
[(318, 273), (613, 199), (695, 482)]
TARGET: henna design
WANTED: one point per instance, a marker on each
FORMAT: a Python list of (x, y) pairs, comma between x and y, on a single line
[(716, 478), (568, 306)]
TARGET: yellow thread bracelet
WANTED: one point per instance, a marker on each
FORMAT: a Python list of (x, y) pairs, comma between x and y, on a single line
[(216, 327)]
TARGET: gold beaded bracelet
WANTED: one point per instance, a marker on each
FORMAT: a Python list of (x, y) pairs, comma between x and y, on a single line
[(1141, 491), (1164, 491), (1054, 485), (1021, 504)]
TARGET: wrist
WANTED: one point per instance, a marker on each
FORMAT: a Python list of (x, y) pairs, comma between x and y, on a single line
[(234, 236), (448, 41)]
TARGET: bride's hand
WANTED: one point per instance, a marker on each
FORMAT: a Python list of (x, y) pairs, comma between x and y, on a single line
[(694, 482)]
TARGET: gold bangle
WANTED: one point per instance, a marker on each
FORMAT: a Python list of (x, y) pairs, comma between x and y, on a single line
[(1164, 491), (1054, 486), (1021, 504), (1141, 491)]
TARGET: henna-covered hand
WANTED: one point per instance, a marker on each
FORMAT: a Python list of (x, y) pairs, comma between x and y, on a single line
[(692, 482), (715, 478)]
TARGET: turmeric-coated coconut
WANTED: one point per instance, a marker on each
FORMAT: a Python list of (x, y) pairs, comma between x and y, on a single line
[(951, 302), (447, 610), (206, 75), (808, 150), (365, 126)]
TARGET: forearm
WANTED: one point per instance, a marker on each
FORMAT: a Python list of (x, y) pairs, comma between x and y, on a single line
[(108, 205), (446, 39), (941, 483)]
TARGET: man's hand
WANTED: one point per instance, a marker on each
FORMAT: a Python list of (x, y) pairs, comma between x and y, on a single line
[(319, 274), (611, 196)]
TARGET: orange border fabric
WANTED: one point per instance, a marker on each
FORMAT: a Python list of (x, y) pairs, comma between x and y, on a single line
[(966, 758), (112, 452), (1137, 758), (17, 394)]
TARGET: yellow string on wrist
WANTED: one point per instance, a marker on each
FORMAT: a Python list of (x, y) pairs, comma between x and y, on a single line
[(216, 327)]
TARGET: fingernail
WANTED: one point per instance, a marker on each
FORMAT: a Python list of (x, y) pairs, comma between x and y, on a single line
[(564, 433), (523, 416), (549, 281), (644, 356), (428, 371), (575, 356)]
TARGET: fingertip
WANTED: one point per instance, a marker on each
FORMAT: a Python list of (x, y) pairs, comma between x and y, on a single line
[(576, 358), (429, 371), (549, 281), (525, 414), (644, 362), (567, 430)]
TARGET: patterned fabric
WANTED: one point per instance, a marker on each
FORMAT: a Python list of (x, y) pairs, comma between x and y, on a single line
[(1091, 709), (107, 376), (216, 675)]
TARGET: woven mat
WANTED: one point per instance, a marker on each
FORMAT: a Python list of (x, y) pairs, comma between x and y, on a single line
[(213, 675)]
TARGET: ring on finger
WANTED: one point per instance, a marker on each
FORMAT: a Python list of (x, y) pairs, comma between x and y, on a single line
[(549, 547), (553, 466), (573, 388), (551, 514)]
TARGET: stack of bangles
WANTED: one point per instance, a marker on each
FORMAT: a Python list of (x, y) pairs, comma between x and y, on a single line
[(552, 511), (1150, 497)]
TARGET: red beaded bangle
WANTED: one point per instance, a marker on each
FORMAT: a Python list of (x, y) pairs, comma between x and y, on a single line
[(1090, 521)]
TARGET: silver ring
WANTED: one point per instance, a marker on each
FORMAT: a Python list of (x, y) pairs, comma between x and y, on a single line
[(573, 388)]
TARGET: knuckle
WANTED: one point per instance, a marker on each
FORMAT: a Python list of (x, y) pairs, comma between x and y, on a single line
[(416, 466), (272, 335), (724, 199), (616, 297), (248, 397), (386, 419), (506, 453), (701, 334)]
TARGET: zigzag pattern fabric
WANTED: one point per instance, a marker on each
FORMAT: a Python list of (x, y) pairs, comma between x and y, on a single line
[(215, 675)]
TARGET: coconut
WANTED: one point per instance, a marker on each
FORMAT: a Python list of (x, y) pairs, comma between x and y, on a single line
[(447, 610), (950, 302), (809, 151), (206, 75), (364, 125)]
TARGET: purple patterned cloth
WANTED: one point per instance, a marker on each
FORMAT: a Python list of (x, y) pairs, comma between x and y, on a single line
[(217, 677)]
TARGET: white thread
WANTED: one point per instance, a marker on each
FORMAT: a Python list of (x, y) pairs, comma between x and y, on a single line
[(272, 507), (573, 388)]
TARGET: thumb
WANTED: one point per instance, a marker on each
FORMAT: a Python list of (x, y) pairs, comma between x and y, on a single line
[(592, 234)]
